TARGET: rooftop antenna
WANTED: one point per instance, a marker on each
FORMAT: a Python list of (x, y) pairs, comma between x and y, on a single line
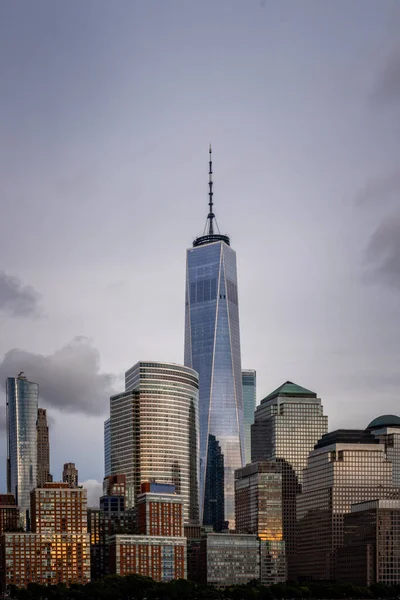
[(210, 195)]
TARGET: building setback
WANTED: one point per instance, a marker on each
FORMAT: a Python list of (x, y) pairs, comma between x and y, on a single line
[(154, 430), (212, 348)]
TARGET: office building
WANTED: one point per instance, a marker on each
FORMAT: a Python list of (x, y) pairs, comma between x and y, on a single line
[(154, 430), (70, 475), (386, 429), (58, 549), (229, 559), (161, 558), (9, 514), (43, 449), (212, 348), (249, 380), (371, 550), (214, 501), (258, 508), (346, 467), (287, 425), (107, 448), (22, 409)]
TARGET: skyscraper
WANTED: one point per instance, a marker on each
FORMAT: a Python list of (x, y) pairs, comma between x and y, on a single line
[(212, 348), (154, 430), (258, 508), (288, 423), (70, 475), (249, 406), (107, 448), (43, 448), (22, 409)]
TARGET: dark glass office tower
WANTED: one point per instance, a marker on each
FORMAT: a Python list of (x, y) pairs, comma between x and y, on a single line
[(212, 348), (214, 501)]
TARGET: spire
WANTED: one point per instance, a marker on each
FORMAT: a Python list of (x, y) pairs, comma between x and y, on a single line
[(209, 234), (210, 196)]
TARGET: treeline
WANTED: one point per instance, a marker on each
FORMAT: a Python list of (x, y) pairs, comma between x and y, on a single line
[(135, 587)]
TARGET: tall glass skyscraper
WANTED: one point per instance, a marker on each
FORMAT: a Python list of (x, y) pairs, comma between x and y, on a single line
[(249, 406), (22, 410), (212, 348)]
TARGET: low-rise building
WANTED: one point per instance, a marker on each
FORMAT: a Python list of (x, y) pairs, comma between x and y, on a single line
[(229, 559), (161, 558)]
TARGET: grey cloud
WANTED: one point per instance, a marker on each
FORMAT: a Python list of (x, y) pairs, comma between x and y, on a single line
[(94, 491), (16, 299), (387, 88), (378, 189), (383, 252), (69, 380)]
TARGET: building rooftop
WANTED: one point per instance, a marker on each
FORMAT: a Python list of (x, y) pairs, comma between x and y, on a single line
[(291, 389), (384, 421), (346, 436)]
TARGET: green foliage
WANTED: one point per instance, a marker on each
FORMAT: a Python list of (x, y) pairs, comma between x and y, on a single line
[(136, 587)]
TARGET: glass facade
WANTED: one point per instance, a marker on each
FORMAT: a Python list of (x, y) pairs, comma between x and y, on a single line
[(345, 468), (214, 502), (212, 348), (288, 423), (154, 430), (22, 410), (107, 448), (249, 380)]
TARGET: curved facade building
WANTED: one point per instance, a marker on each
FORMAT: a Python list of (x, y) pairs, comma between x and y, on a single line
[(22, 411), (212, 348), (154, 430)]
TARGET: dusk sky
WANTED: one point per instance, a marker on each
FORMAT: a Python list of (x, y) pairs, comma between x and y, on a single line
[(107, 109)]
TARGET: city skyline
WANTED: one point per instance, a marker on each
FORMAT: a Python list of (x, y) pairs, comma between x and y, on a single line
[(307, 149)]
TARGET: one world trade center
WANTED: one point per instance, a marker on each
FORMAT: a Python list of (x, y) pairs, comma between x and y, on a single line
[(212, 348)]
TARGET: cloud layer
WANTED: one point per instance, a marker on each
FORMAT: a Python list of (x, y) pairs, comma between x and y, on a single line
[(17, 299), (69, 379)]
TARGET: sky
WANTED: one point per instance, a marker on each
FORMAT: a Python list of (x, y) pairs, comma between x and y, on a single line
[(106, 113)]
